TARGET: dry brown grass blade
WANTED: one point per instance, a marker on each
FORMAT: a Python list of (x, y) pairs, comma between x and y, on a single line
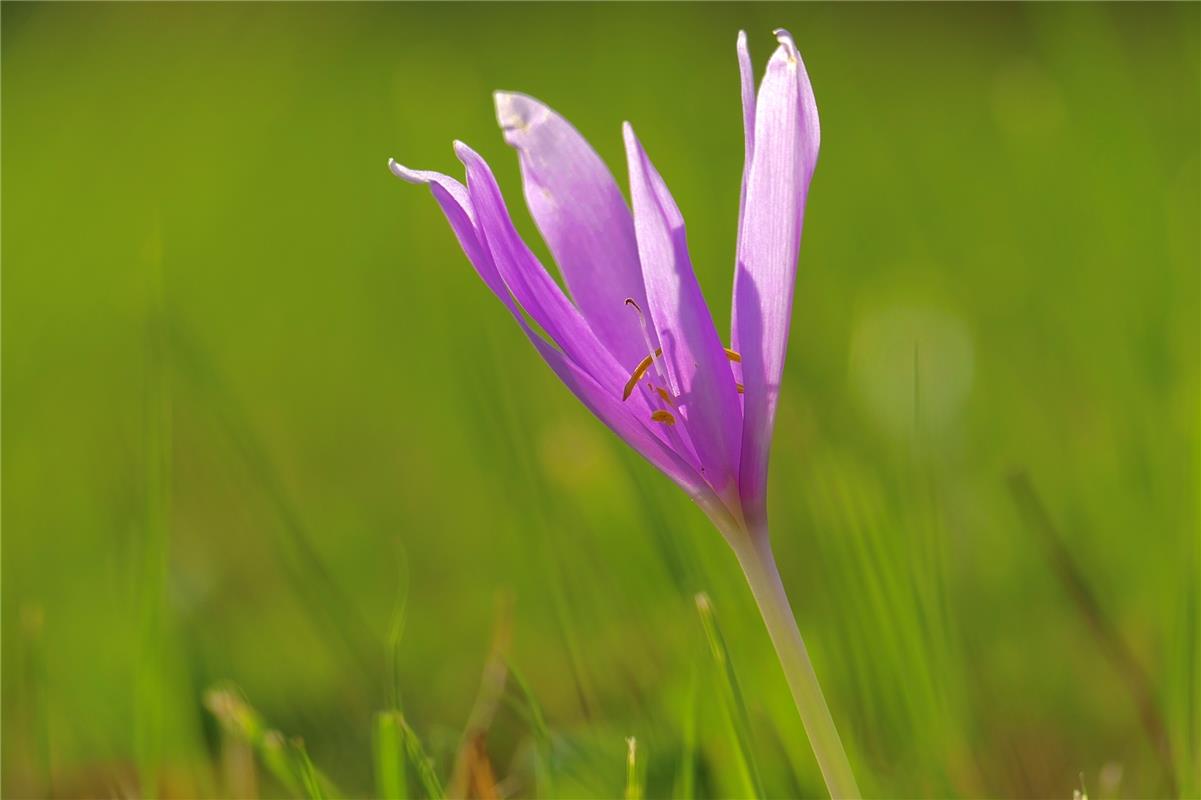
[(473, 776)]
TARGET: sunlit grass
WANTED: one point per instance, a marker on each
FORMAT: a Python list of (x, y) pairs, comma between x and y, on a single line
[(264, 432)]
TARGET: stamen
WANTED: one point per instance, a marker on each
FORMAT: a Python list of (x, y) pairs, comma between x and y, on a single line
[(663, 416), (740, 388), (667, 398), (733, 356), (650, 359), (639, 371)]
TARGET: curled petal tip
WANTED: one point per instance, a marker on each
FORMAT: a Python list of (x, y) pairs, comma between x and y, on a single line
[(404, 173), (785, 39)]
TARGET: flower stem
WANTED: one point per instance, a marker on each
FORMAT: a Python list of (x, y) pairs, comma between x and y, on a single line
[(755, 555)]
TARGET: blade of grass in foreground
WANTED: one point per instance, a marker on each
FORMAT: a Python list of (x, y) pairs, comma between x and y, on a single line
[(1101, 626), (686, 778), (151, 577), (388, 743), (532, 713), (736, 714), (308, 773), (633, 782), (472, 774), (391, 780), (288, 762), (421, 762)]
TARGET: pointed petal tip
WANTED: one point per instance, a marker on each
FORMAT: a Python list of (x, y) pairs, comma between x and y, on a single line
[(462, 150), (516, 113), (508, 110), (627, 132), (785, 39), (511, 108), (741, 39)]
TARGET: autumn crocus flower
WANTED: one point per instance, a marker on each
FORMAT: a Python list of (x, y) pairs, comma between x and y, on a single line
[(638, 345)]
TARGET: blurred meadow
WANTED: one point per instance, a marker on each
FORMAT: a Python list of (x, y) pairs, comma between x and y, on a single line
[(273, 457)]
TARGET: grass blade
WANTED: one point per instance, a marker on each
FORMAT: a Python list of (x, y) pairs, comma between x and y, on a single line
[(388, 744), (288, 762), (302, 564), (421, 762), (686, 778), (532, 713), (150, 694), (309, 778), (736, 714), (1100, 625), (633, 783)]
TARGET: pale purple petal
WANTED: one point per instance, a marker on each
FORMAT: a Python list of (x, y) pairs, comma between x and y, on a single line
[(786, 139), (429, 178), (620, 417), (582, 216), (452, 197), (529, 282), (746, 73), (696, 363)]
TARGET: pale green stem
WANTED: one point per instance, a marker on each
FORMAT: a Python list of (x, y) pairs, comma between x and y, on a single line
[(755, 555)]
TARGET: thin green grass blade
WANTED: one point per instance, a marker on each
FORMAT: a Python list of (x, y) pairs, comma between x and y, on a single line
[(309, 777), (299, 557), (288, 762), (686, 778), (149, 698), (397, 627), (737, 717), (388, 738), (388, 743), (633, 781), (422, 763), (531, 711), (273, 752), (241, 723)]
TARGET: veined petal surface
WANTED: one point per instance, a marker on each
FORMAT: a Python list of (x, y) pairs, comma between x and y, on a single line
[(621, 418), (746, 75), (784, 154), (583, 217), (528, 280), (696, 362)]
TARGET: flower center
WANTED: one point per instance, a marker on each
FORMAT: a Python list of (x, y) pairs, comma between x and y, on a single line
[(661, 415)]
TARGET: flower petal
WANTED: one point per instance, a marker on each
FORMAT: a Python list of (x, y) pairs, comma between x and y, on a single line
[(695, 360), (531, 285), (426, 177), (582, 216), (456, 206), (747, 75), (619, 417), (784, 154)]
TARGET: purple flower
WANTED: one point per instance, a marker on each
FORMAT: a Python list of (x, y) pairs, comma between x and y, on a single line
[(638, 345)]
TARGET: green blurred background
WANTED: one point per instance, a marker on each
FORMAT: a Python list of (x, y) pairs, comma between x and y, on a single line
[(258, 409)]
